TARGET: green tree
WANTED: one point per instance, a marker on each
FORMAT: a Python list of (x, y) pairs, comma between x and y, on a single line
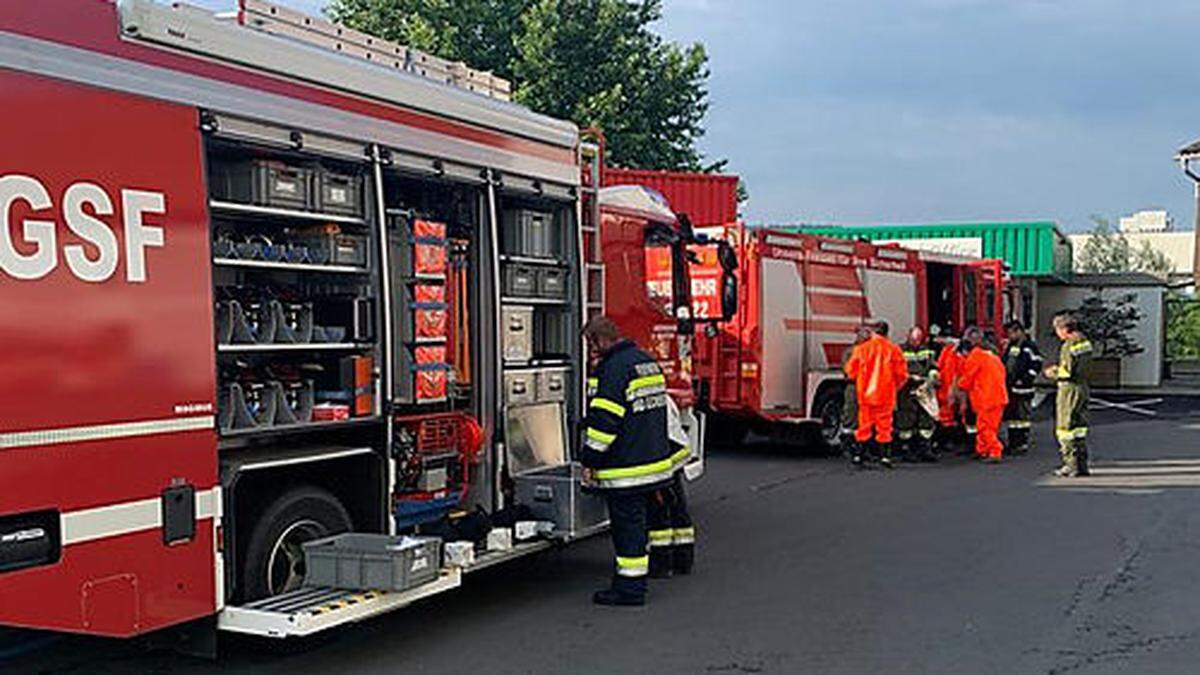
[(1109, 250), (1110, 324), (1183, 326), (595, 62)]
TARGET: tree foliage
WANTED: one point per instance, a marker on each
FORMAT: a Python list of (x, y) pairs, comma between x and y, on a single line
[(1109, 250), (1183, 326), (595, 62), (1109, 325)]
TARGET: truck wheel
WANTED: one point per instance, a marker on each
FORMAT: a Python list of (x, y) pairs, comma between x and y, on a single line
[(828, 411), (275, 553)]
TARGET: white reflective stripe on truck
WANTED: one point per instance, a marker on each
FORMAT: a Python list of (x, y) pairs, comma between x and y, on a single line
[(102, 432), (114, 520)]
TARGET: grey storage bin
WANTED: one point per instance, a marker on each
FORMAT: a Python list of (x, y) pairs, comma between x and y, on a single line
[(262, 182), (367, 562), (552, 283), (531, 233), (247, 406), (294, 402), (339, 193), (520, 281), (338, 249)]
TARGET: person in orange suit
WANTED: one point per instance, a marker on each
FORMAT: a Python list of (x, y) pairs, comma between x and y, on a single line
[(949, 364), (878, 370), (984, 380)]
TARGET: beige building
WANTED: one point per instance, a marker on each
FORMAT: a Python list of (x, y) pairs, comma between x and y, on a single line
[(1178, 247)]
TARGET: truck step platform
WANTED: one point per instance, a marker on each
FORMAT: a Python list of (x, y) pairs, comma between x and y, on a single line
[(308, 610)]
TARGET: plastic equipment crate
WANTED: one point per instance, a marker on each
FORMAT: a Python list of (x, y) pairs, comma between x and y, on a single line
[(339, 193), (262, 182), (366, 562)]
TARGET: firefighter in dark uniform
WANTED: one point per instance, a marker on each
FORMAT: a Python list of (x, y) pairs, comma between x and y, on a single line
[(1071, 414), (914, 426), (1023, 363), (627, 452)]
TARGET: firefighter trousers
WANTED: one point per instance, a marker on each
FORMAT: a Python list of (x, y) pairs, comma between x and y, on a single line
[(627, 521), (987, 436), (1019, 418), (672, 534), (1071, 426), (874, 421), (914, 426)]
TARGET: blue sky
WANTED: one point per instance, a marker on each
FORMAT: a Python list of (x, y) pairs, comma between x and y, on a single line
[(859, 111)]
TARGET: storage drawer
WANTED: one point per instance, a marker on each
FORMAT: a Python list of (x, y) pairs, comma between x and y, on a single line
[(339, 193), (552, 385), (368, 562), (556, 494), (520, 281), (517, 333), (552, 283), (338, 249), (520, 387), (262, 182)]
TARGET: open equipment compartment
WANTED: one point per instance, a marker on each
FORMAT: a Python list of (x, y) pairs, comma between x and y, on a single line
[(541, 356)]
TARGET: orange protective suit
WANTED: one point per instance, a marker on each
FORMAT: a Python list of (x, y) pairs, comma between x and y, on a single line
[(878, 369), (949, 365), (983, 378)]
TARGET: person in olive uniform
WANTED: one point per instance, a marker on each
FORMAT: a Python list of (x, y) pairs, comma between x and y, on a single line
[(849, 418), (1023, 361), (914, 426), (1071, 372)]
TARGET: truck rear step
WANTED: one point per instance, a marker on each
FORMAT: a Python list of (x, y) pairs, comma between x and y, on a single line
[(311, 610)]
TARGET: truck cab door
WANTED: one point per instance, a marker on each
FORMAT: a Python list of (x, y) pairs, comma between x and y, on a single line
[(988, 284)]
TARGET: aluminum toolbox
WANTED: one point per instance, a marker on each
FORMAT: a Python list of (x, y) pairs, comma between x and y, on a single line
[(516, 333), (339, 193), (520, 387), (552, 283), (367, 562), (556, 494), (551, 385), (262, 182), (520, 281)]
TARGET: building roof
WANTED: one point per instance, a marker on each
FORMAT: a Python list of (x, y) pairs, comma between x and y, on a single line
[(1111, 279), (1190, 150)]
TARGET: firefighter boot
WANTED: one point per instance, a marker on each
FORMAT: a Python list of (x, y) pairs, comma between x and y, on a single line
[(885, 456), (925, 451), (661, 559), (857, 453), (683, 558), (1081, 459), (625, 592)]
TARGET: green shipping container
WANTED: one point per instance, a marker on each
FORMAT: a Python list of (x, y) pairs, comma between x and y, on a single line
[(1032, 249)]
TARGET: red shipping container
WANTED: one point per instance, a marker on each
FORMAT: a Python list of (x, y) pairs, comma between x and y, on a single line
[(708, 199)]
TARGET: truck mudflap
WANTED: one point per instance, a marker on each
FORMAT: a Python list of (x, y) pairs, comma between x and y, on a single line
[(309, 610)]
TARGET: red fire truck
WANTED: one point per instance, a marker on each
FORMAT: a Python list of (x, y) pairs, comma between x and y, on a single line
[(267, 280), (776, 366)]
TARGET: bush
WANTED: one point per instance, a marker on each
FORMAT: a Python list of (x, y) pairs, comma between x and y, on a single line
[(1109, 325)]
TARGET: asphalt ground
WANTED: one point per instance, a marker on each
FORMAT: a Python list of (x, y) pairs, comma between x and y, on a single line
[(808, 565)]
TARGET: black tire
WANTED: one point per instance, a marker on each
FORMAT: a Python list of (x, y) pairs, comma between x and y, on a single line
[(302, 514), (827, 409)]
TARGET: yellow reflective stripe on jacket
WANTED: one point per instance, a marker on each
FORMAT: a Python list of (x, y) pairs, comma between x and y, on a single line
[(1063, 372), (655, 470), (633, 567), (610, 406), (645, 382), (593, 386), (1081, 347), (597, 435)]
